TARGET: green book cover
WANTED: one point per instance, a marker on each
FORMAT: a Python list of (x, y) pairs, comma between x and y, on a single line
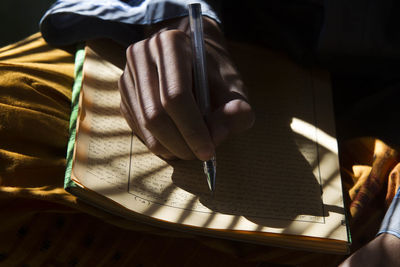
[(76, 89)]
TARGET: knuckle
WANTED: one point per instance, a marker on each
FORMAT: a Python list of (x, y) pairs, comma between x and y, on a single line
[(130, 51), (123, 108), (174, 36), (154, 145), (121, 81), (120, 84), (173, 98), (173, 41), (153, 118), (135, 49)]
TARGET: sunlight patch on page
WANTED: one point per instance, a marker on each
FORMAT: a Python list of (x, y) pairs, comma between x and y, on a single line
[(309, 131), (328, 167)]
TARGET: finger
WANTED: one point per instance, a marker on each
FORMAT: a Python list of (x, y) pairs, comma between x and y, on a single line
[(154, 118), (232, 118), (130, 105), (393, 184), (176, 93), (156, 125), (126, 85), (142, 133), (225, 81), (160, 151), (133, 78), (232, 114)]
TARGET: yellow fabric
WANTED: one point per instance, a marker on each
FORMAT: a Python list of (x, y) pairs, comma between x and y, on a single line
[(41, 224)]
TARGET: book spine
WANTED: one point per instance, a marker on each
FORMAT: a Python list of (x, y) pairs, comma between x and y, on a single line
[(76, 89)]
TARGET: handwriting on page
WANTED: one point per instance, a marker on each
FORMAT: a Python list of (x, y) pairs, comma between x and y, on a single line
[(285, 190), (267, 172), (109, 140)]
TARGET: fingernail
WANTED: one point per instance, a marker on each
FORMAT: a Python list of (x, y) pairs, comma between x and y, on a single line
[(205, 153)]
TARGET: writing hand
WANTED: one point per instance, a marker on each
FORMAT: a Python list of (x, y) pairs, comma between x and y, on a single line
[(157, 98)]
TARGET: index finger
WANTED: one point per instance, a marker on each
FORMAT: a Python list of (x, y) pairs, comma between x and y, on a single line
[(176, 93)]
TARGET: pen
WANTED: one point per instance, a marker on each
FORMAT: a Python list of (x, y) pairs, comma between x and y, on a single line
[(200, 79)]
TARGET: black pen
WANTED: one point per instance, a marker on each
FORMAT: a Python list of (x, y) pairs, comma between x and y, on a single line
[(200, 79)]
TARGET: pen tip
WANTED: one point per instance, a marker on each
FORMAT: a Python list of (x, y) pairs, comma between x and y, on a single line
[(210, 169)]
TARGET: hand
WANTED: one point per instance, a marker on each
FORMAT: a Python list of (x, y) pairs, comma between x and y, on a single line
[(381, 251), (157, 98)]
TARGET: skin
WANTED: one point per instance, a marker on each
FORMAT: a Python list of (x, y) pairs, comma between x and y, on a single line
[(384, 249), (157, 93), (381, 251), (158, 104)]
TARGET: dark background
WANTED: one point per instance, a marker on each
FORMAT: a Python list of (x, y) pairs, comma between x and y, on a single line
[(370, 110), (20, 18)]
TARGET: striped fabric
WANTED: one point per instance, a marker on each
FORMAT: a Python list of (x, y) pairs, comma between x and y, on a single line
[(42, 225)]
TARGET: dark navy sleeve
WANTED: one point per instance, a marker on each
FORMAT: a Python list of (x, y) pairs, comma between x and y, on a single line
[(71, 21)]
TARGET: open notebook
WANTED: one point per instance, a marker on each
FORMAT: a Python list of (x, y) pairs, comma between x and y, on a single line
[(277, 184)]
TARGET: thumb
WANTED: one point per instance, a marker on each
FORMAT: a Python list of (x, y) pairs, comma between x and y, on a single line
[(233, 117)]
